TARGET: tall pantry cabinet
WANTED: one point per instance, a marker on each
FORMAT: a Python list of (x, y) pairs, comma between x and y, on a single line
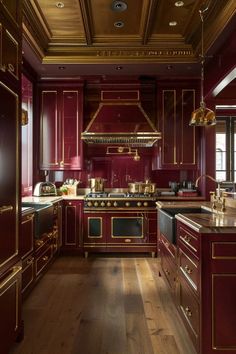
[(61, 109), (10, 113)]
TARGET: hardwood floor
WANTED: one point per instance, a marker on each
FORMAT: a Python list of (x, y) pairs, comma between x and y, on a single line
[(102, 305)]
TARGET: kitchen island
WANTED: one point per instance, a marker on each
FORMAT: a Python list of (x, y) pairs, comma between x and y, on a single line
[(201, 272)]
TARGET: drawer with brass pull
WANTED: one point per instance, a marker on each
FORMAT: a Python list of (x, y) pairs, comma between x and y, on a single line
[(189, 240), (189, 310), (42, 259), (189, 268)]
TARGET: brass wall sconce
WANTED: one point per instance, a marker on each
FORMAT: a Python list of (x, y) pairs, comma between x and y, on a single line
[(123, 150), (24, 117)]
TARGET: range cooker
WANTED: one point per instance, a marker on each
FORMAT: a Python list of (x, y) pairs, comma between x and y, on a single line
[(118, 201)]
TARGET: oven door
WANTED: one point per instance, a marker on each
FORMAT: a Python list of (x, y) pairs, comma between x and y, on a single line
[(127, 228)]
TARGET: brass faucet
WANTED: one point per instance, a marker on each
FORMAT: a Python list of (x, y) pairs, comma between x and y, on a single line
[(217, 198)]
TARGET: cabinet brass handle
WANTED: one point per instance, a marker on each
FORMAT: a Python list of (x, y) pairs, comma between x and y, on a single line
[(188, 311), (39, 243), (30, 260), (187, 238), (45, 258), (167, 272), (14, 272), (188, 270), (6, 208), (11, 68)]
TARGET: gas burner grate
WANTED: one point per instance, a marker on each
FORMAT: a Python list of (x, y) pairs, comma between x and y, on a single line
[(138, 195), (97, 195)]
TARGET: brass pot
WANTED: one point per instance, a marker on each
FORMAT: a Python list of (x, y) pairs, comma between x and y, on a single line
[(96, 184), (141, 188)]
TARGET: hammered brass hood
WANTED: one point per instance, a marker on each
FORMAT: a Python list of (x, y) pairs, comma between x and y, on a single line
[(123, 122)]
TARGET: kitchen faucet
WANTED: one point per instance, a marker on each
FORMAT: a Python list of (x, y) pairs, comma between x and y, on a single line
[(217, 195)]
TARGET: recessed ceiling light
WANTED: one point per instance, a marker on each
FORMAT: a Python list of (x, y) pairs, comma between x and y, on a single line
[(119, 67), (60, 5), (119, 6), (172, 23), (119, 24), (61, 67), (179, 3), (169, 67)]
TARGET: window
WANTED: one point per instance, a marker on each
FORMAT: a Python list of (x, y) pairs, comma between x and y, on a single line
[(226, 148), (27, 138)]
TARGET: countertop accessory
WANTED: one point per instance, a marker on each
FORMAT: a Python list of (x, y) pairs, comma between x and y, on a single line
[(44, 189)]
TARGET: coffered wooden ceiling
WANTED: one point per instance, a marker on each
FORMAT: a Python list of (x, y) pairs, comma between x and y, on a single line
[(72, 32)]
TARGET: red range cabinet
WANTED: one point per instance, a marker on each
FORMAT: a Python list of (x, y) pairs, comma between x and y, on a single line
[(179, 146), (10, 114), (127, 231), (61, 117)]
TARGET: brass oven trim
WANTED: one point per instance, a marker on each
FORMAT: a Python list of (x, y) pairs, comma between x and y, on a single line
[(127, 236), (221, 243), (213, 337), (182, 130), (99, 218), (163, 129), (74, 207)]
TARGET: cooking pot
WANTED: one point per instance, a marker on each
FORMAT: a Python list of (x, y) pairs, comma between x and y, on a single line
[(141, 188), (96, 184)]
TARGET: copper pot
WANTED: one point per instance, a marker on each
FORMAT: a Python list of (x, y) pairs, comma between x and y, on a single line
[(96, 184)]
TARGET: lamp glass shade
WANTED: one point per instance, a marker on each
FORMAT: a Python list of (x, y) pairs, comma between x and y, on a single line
[(202, 116)]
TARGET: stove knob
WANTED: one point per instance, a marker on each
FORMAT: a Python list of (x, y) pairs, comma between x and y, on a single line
[(127, 204), (139, 204), (95, 204), (115, 204), (103, 204), (108, 204), (145, 204), (90, 204)]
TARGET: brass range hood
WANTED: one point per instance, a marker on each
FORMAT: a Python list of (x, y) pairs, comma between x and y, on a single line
[(121, 121)]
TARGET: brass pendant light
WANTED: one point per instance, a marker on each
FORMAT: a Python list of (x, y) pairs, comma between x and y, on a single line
[(202, 116)]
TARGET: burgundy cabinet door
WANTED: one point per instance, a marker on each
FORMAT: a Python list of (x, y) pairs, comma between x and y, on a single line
[(178, 147), (9, 177), (71, 122), (60, 128), (49, 131), (72, 230)]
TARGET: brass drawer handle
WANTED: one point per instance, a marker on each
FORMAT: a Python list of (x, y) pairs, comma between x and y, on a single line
[(188, 270), (127, 240), (45, 258), (15, 270), (188, 311), (30, 217), (187, 238), (39, 243), (30, 260), (11, 68), (6, 208)]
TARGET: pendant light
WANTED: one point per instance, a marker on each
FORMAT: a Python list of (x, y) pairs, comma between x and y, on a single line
[(202, 116)]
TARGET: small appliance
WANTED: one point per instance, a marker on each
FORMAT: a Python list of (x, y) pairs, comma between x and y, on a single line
[(43, 189)]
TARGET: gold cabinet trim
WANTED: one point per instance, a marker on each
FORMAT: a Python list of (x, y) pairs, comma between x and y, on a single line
[(127, 236), (182, 131), (214, 346), (98, 218), (163, 129), (221, 243)]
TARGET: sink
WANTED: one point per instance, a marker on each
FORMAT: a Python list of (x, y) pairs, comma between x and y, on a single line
[(167, 221), (44, 215)]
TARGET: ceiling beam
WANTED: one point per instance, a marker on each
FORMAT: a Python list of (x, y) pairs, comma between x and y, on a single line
[(147, 21), (85, 11)]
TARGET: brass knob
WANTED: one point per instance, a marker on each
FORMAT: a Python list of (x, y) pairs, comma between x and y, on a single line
[(45, 258), (145, 204), (188, 311), (90, 204), (139, 204), (103, 204), (115, 204), (127, 204), (108, 204), (95, 204), (188, 270)]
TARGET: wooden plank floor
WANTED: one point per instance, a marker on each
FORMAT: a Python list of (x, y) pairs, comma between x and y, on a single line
[(102, 305)]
